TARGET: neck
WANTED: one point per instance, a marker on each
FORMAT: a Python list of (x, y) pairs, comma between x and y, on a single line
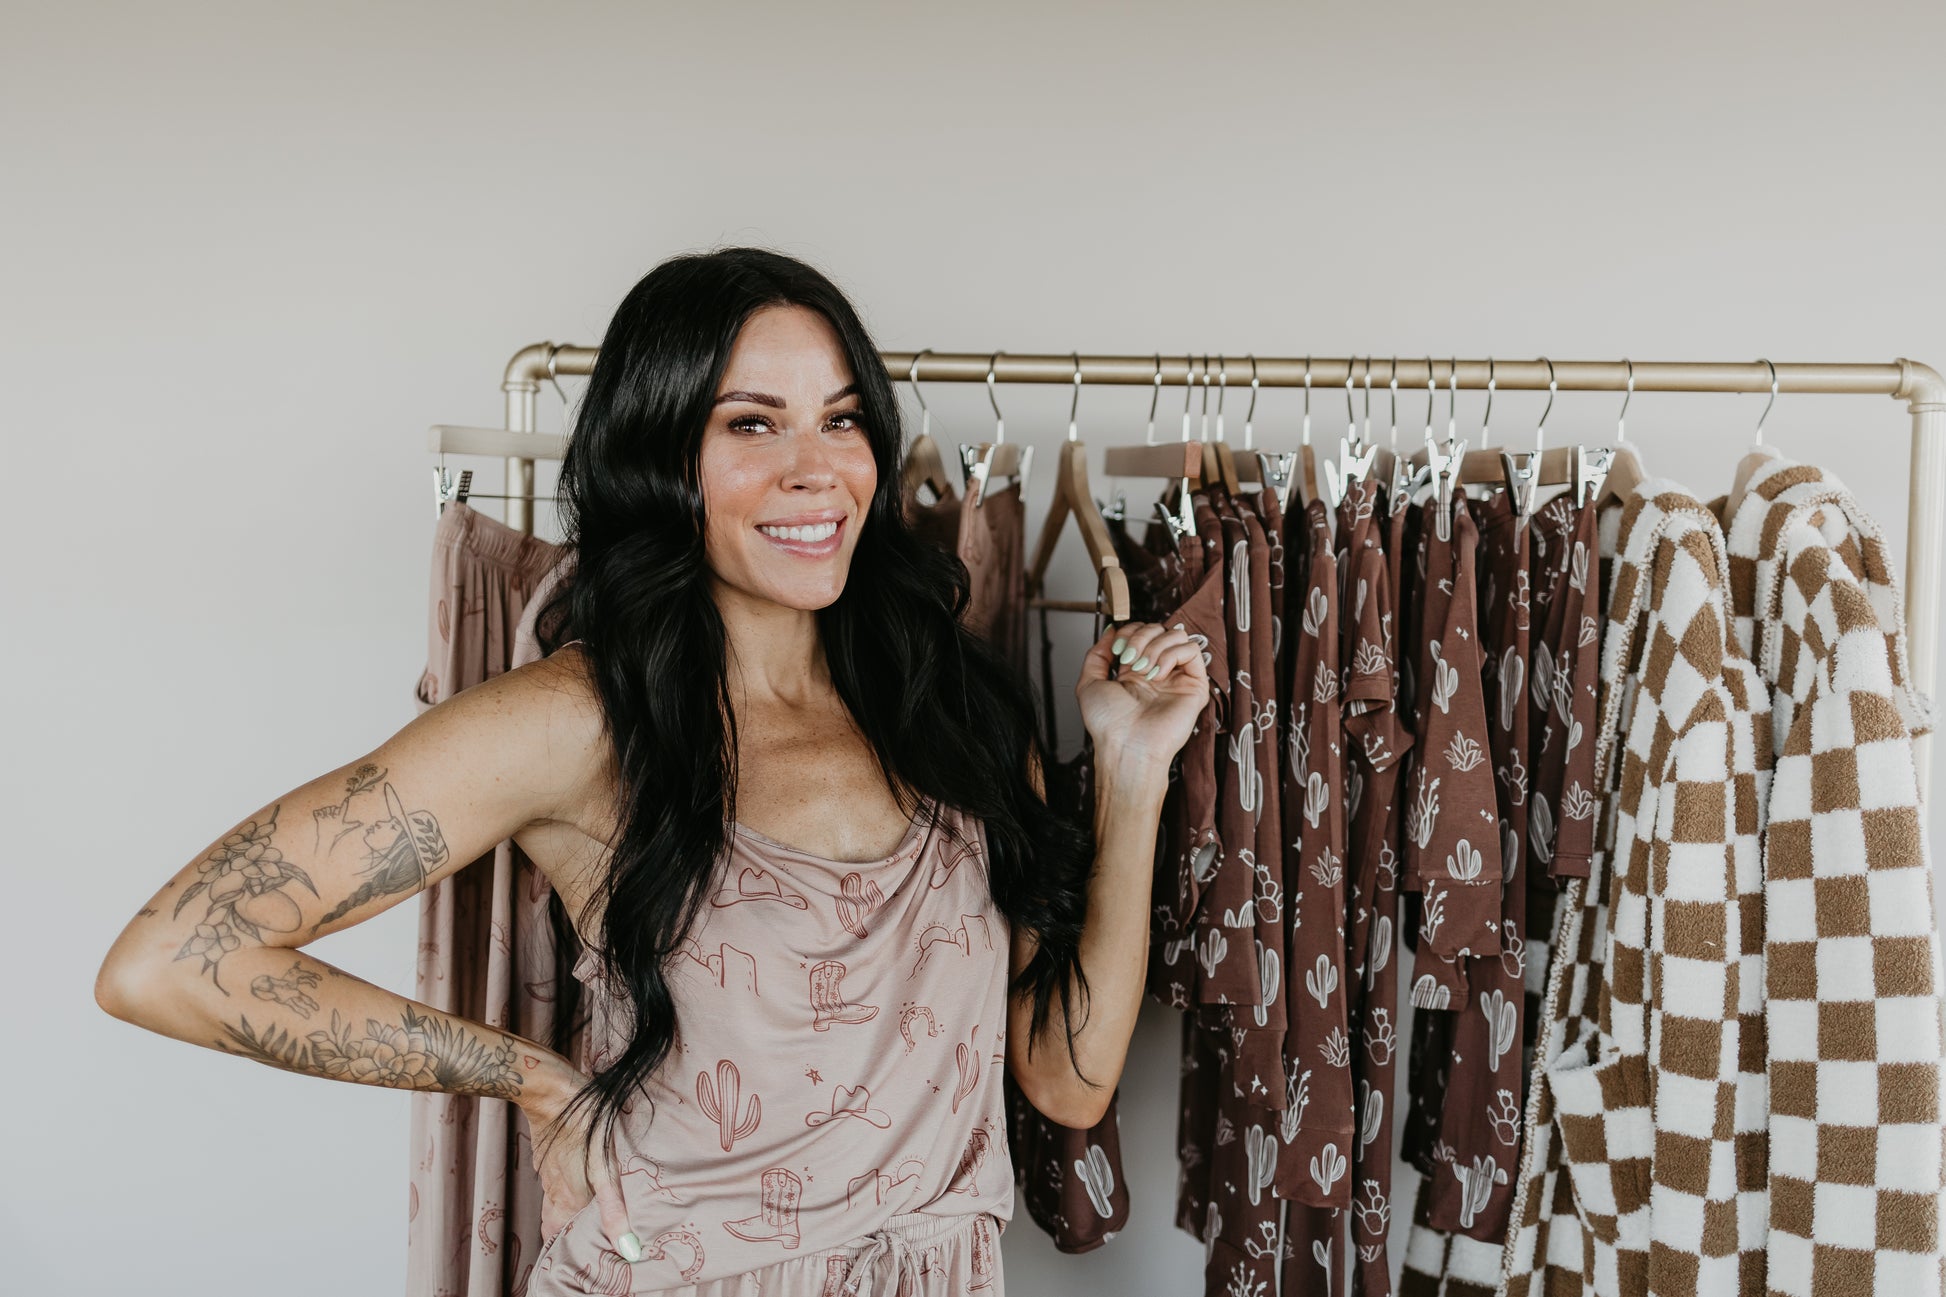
[(775, 652)]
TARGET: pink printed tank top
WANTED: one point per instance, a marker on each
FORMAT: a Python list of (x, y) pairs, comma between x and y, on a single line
[(838, 1056)]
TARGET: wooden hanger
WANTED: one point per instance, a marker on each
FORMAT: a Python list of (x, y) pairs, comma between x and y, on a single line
[(1180, 461), (1620, 468), (923, 464), (1074, 498), (1755, 458), (981, 463)]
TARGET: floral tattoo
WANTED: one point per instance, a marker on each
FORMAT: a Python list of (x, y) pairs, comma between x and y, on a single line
[(424, 1053)]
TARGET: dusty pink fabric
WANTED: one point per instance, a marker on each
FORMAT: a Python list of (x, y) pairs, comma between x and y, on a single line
[(486, 951), (832, 1107)]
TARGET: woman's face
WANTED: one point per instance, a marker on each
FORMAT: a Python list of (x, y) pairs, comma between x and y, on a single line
[(786, 464)]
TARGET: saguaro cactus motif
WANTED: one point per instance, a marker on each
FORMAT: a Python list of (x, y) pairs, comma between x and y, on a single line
[(722, 1100)]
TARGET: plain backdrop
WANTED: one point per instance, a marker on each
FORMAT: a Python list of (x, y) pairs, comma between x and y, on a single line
[(250, 252)]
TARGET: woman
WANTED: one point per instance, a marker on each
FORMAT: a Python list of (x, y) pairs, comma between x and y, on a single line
[(750, 650)]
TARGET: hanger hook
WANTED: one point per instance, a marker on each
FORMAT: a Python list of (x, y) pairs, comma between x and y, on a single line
[(1621, 419), (1486, 420), (1762, 418), (1307, 401), (1074, 405), (912, 377), (1365, 432), (1222, 387), (1155, 394), (1452, 399), (1203, 429), (1351, 415), (1188, 390), (999, 423), (1394, 385), (1541, 431), (1251, 413), (1432, 394)]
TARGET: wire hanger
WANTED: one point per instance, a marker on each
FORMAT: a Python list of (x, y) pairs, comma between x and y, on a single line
[(1523, 472), (1443, 465), (984, 461), (1074, 498), (923, 464), (1273, 469), (1618, 467), (1218, 449), (1355, 451), (1180, 461), (1757, 456)]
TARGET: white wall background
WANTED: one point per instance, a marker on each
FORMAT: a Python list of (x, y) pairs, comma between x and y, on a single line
[(249, 252)]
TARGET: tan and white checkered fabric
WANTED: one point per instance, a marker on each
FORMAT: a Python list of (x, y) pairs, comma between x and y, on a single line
[(1640, 1090), (1852, 958)]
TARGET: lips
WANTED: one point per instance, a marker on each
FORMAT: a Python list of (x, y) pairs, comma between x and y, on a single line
[(809, 548)]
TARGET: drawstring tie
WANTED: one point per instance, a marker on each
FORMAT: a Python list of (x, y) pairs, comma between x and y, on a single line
[(905, 1261)]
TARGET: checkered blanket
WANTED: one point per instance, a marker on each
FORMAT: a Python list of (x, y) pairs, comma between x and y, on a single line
[(1853, 971), (1639, 1094)]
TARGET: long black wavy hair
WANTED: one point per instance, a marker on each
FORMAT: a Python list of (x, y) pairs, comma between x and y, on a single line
[(961, 728)]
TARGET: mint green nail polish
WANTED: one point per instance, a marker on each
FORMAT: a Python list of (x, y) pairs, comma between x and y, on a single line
[(630, 1247), (1155, 670), (1128, 654), (1141, 663), (1121, 641)]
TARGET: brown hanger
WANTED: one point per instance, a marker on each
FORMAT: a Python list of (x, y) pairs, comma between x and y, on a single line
[(1073, 497), (923, 464)]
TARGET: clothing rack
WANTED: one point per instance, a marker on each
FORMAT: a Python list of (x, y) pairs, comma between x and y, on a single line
[(1919, 386)]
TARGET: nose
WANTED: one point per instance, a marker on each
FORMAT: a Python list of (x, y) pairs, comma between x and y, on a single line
[(810, 467)]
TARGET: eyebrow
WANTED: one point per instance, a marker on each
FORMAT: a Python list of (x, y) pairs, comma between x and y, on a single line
[(777, 403)]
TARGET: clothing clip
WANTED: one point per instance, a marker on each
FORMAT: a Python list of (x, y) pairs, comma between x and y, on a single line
[(1445, 472), (1352, 466), (1591, 465), (1279, 472), (1178, 526), (443, 490), (1523, 474)]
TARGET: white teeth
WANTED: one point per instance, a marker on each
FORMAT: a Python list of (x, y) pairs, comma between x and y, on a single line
[(813, 534)]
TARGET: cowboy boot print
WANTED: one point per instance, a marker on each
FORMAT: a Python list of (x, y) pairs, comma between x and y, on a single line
[(982, 1257), (828, 1003), (776, 1219), (978, 1145)]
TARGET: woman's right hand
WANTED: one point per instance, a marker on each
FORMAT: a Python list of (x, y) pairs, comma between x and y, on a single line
[(561, 1147)]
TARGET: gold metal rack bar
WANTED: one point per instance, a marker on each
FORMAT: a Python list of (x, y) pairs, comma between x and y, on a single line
[(1919, 386)]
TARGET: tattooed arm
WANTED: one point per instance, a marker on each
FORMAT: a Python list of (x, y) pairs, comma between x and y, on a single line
[(213, 958)]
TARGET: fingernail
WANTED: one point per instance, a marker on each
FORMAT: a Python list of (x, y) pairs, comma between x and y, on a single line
[(629, 1246), (1128, 654), (1155, 670), (1121, 641), (1141, 663)]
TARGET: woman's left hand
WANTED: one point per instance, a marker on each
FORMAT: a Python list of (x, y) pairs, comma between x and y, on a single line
[(1130, 713)]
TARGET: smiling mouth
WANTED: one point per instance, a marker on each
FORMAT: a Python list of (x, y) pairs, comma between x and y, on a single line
[(816, 540)]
